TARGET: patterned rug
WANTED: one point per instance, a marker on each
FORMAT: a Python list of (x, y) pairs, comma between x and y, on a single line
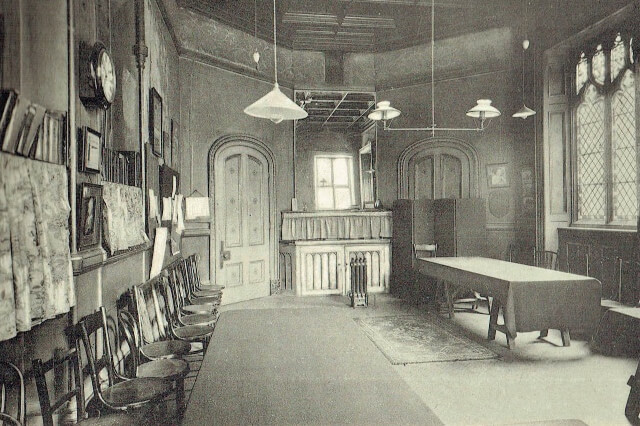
[(411, 339)]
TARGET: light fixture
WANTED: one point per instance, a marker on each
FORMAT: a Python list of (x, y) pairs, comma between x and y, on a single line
[(256, 54), (482, 111), (275, 105), (525, 111)]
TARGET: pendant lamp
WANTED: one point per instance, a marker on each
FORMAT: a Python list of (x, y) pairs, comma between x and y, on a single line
[(525, 111), (275, 105), (482, 111)]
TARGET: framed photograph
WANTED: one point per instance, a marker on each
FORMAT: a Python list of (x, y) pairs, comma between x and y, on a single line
[(498, 175), (175, 144), (155, 122), (89, 216), (91, 150), (166, 150)]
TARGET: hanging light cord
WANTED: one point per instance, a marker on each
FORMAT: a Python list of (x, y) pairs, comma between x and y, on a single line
[(433, 47), (275, 43)]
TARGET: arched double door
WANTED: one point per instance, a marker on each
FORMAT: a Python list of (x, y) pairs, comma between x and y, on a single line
[(438, 168)]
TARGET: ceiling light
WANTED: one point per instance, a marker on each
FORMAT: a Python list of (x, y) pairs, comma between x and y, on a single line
[(525, 111), (275, 105), (483, 111)]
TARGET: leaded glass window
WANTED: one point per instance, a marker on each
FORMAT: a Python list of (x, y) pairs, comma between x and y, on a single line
[(618, 57), (598, 65), (606, 175), (582, 74), (591, 160), (623, 147)]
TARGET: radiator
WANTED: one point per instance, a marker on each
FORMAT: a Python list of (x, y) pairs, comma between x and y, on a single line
[(358, 294)]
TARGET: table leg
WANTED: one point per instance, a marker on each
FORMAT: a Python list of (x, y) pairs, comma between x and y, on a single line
[(511, 340), (449, 299), (493, 319), (543, 333), (566, 339)]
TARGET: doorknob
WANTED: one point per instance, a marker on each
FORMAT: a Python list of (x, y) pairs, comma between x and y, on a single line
[(224, 254)]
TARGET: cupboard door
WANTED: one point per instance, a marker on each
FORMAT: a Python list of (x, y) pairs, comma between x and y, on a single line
[(320, 270), (378, 260)]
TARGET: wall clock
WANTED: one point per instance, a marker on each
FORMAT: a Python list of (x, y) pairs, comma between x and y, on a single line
[(97, 77)]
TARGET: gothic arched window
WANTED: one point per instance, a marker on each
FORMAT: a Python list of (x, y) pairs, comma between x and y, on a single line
[(605, 134)]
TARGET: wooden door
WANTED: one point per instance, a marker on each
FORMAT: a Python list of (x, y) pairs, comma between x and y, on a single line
[(438, 173), (241, 249)]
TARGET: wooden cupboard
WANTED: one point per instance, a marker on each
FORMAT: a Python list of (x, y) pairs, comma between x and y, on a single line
[(457, 226), (322, 267)]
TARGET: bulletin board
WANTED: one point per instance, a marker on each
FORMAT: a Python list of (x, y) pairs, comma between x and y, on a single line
[(153, 183)]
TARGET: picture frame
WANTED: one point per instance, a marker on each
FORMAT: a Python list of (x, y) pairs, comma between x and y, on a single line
[(498, 175), (155, 122), (91, 150), (89, 226), (166, 149), (175, 144)]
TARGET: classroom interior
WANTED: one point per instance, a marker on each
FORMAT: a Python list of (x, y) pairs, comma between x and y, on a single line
[(319, 211)]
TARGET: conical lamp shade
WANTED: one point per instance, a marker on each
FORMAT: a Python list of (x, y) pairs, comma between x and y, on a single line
[(524, 112), (275, 106)]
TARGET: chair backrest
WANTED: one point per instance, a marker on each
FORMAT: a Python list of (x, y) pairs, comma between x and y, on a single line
[(12, 385), (193, 269), (170, 301), (93, 332), (150, 321), (128, 327), (547, 259), (421, 249), (68, 364)]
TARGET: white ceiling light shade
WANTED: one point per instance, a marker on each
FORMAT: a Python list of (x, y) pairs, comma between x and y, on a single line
[(525, 111), (384, 111), (275, 105), (482, 111)]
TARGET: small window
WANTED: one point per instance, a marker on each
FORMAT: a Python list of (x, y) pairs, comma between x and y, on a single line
[(334, 182)]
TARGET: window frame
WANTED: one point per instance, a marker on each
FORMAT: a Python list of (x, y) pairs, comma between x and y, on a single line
[(607, 90), (351, 185)]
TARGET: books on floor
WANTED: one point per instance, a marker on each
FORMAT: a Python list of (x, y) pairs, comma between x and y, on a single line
[(30, 130)]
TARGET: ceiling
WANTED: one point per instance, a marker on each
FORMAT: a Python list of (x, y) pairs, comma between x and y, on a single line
[(336, 110), (356, 25)]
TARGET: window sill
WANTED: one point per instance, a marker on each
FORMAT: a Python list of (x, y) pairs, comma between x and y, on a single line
[(591, 228)]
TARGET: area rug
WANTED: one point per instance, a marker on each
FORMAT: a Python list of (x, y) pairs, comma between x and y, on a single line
[(409, 339)]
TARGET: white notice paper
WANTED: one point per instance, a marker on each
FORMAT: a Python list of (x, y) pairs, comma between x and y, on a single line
[(167, 205), (159, 246), (196, 207)]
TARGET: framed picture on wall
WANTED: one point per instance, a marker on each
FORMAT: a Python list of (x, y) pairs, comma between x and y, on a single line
[(90, 150), (175, 144), (166, 150), (155, 122), (89, 216), (498, 175)]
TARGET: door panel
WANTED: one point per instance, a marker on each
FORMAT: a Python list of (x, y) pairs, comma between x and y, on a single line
[(439, 173), (242, 225)]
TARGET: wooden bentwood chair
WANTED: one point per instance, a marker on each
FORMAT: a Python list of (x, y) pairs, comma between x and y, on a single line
[(155, 343), (69, 364), (11, 379), (172, 369), (117, 393)]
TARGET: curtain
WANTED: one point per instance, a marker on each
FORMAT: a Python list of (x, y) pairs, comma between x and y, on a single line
[(36, 279)]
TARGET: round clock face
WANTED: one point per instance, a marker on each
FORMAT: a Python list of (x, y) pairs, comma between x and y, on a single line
[(105, 76)]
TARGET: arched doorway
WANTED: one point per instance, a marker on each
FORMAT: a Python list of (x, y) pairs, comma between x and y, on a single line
[(243, 246), (438, 168)]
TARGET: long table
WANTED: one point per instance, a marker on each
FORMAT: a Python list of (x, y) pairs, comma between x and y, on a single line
[(531, 298)]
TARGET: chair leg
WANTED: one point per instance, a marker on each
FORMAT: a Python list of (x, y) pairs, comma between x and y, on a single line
[(632, 409), (180, 403)]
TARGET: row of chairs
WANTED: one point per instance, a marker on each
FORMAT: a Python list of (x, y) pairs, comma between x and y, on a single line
[(152, 370)]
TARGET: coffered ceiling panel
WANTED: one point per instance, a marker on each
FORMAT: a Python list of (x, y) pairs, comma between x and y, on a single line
[(355, 25), (337, 110)]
